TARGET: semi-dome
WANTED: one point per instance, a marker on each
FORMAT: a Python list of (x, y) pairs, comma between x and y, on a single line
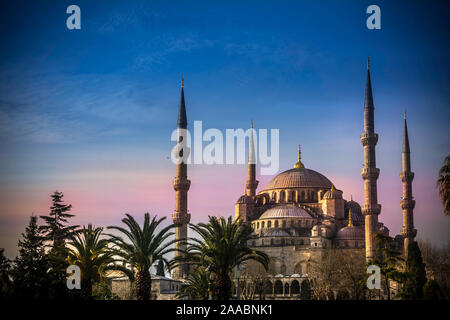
[(245, 199), (299, 178), (333, 194), (351, 233), (354, 206), (285, 212)]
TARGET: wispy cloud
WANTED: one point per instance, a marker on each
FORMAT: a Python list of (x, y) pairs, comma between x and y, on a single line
[(55, 108)]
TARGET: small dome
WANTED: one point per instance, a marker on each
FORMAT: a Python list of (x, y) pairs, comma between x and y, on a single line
[(383, 229), (285, 212), (354, 206), (333, 194), (276, 233), (245, 199), (351, 233)]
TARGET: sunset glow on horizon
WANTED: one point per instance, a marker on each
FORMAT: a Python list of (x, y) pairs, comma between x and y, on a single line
[(90, 112)]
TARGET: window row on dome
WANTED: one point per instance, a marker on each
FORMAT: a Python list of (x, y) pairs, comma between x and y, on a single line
[(284, 196), (282, 223)]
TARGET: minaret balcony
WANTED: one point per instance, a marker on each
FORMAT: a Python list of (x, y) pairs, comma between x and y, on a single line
[(369, 139), (408, 233), (252, 184), (180, 184), (180, 218), (370, 173), (407, 204), (406, 176), (371, 209)]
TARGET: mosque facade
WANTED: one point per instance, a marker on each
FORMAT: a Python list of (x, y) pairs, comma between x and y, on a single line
[(300, 213)]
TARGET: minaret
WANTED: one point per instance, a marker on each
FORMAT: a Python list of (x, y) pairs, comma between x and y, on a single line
[(251, 183), (181, 184), (371, 209), (407, 203)]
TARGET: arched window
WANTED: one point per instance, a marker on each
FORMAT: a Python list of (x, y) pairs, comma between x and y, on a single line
[(295, 287), (262, 224), (305, 291), (298, 269), (283, 269), (282, 196), (257, 225), (283, 224), (274, 196), (278, 287), (276, 223), (303, 196), (268, 287), (293, 196), (286, 288), (269, 224)]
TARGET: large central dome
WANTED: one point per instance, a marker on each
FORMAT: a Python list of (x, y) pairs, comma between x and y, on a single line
[(299, 178)]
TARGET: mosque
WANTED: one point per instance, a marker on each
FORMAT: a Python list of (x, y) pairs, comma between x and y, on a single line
[(300, 212)]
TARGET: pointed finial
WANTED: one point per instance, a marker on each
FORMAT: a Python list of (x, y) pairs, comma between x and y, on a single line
[(299, 163), (182, 81), (404, 114), (350, 224), (252, 124), (368, 63), (351, 197)]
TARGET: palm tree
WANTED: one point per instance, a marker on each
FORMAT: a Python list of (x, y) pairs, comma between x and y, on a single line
[(146, 247), (443, 184), (197, 285), (221, 247), (91, 254)]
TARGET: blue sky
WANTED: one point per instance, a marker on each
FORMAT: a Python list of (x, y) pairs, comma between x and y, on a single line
[(103, 100)]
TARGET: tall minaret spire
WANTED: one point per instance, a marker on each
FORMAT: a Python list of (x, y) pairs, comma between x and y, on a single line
[(251, 183), (407, 203), (371, 209), (181, 184)]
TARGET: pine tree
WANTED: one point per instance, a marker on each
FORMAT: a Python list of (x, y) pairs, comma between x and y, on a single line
[(30, 267), (416, 274), (56, 230)]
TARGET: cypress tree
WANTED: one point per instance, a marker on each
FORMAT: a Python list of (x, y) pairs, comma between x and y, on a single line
[(160, 269), (416, 274), (5, 281)]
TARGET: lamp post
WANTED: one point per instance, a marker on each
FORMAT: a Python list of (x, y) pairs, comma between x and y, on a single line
[(211, 276)]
